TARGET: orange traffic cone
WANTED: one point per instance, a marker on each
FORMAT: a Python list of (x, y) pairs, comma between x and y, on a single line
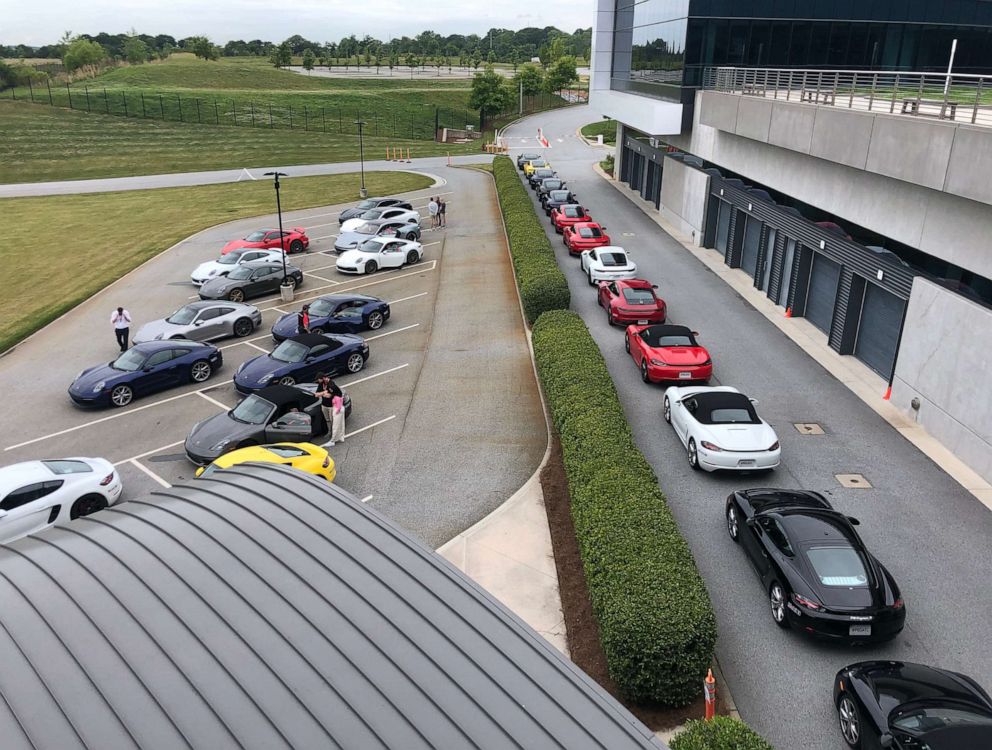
[(888, 394), (709, 692), (788, 312)]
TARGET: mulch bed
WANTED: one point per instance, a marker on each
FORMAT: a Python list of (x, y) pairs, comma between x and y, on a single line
[(583, 631)]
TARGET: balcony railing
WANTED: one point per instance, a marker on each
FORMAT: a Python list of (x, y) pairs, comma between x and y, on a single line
[(957, 97)]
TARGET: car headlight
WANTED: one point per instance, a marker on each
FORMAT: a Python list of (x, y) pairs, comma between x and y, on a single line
[(221, 445), (99, 386), (265, 378)]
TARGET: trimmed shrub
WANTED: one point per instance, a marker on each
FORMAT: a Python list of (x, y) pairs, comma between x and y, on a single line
[(655, 618), (542, 284), (720, 733)]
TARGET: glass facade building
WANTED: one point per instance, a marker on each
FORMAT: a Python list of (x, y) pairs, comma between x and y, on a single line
[(660, 47)]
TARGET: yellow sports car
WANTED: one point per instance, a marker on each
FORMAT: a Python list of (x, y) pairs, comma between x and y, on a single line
[(533, 164), (303, 456)]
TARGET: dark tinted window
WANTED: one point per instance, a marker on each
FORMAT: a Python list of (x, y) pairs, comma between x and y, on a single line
[(589, 232), (613, 259), (285, 451), (638, 296), (159, 358), (29, 493)]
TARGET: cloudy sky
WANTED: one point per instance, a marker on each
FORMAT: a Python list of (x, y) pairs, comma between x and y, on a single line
[(44, 21)]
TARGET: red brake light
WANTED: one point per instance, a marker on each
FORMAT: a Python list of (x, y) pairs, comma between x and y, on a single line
[(107, 479), (803, 601), (327, 461), (897, 604), (774, 446), (710, 446)]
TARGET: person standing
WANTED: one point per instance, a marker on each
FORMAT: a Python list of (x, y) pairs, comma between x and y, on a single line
[(121, 320), (328, 391), (432, 209), (303, 320), (441, 208)]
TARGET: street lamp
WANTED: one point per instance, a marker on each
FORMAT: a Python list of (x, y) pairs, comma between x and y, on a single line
[(363, 193), (282, 239)]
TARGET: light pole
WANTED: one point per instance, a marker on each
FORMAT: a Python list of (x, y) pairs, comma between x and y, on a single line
[(363, 193), (282, 239)]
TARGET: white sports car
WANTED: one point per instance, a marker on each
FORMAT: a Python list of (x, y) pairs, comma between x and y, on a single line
[(380, 252), (720, 429), (607, 264), (412, 217), (36, 494), (227, 263)]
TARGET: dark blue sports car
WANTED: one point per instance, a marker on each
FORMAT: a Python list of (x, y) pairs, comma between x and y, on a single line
[(337, 313), (298, 359), (145, 368)]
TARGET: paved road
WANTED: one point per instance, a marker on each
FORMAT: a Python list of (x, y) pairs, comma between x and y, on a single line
[(447, 422), (931, 533)]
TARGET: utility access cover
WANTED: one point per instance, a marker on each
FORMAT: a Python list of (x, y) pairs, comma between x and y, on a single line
[(853, 481), (808, 428)]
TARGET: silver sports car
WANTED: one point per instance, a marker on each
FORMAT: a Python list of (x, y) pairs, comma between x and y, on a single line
[(203, 321)]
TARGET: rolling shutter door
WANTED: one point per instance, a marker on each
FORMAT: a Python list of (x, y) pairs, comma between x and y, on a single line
[(878, 333), (752, 241), (823, 280)]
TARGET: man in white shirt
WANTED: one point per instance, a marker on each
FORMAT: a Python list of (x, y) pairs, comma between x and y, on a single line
[(432, 209), (121, 320)]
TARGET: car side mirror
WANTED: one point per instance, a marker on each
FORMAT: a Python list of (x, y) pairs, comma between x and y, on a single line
[(885, 740), (310, 359), (751, 522), (854, 521), (753, 401), (198, 322), (146, 369), (696, 334), (653, 286)]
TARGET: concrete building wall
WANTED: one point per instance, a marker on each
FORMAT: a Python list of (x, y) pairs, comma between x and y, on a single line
[(601, 56), (684, 197), (946, 331)]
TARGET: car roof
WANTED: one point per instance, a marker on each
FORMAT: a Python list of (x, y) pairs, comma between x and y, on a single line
[(15, 475), (282, 395), (816, 525), (148, 347), (310, 339), (770, 498), (664, 329), (587, 225), (346, 298), (207, 303)]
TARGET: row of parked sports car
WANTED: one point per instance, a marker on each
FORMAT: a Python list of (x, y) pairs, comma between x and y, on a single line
[(818, 574)]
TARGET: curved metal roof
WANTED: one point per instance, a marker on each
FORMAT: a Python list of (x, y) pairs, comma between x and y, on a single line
[(262, 608)]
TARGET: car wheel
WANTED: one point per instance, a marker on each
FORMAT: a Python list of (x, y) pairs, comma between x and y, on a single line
[(296, 246), (243, 327), (87, 504), (412, 257), (850, 721), (776, 600), (666, 411), (376, 320), (371, 267), (356, 362), (591, 282), (692, 454), (644, 371), (121, 395), (733, 523), (626, 343), (200, 371), (287, 380), (292, 281), (559, 230), (609, 317), (236, 295)]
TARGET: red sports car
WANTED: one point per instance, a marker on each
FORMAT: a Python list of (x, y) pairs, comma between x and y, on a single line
[(585, 236), (631, 301), (567, 215), (293, 240), (668, 353)]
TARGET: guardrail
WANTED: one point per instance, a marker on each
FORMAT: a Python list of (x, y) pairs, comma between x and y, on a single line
[(958, 97)]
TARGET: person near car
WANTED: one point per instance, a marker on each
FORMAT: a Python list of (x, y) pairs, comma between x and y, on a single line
[(442, 206), (432, 209), (303, 320), (327, 391), (121, 320)]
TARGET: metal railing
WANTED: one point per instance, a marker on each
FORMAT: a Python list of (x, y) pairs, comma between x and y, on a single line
[(958, 97)]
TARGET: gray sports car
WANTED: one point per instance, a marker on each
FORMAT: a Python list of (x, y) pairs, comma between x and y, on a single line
[(381, 228), (251, 279), (203, 321)]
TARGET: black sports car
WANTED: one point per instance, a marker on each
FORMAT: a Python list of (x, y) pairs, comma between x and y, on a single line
[(370, 203), (337, 313), (815, 570), (250, 279), (256, 420), (526, 157), (556, 199), (543, 173), (904, 706), (547, 185)]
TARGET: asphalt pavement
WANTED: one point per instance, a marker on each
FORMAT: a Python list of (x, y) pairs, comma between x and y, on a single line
[(930, 532)]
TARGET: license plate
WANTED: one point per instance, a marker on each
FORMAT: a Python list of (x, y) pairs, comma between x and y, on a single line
[(685, 376), (859, 630), (642, 322), (746, 462)]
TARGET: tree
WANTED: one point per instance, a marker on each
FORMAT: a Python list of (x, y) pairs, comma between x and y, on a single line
[(411, 62), (560, 74), (532, 79), (308, 59), (282, 56), (164, 51), (202, 47), (490, 94), (476, 62), (135, 50), (556, 49), (82, 53)]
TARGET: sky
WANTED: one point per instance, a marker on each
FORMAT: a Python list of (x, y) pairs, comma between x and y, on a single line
[(44, 21)]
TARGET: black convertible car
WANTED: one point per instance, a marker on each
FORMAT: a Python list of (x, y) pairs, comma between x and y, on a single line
[(813, 566), (894, 704), (258, 419)]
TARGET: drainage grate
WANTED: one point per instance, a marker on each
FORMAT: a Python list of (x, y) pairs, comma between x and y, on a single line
[(854, 481), (808, 428)]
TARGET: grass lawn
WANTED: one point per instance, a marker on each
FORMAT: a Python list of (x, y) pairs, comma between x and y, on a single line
[(81, 243), (39, 143), (605, 128)]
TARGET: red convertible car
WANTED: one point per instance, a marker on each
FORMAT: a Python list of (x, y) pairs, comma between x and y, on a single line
[(567, 215), (585, 236), (631, 301), (668, 353), (293, 240)]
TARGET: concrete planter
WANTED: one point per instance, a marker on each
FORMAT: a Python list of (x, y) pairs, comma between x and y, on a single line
[(287, 292)]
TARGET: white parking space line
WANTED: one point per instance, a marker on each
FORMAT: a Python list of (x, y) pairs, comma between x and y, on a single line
[(389, 333), (244, 341), (279, 309), (256, 346), (134, 462), (214, 401), (323, 237), (377, 375), (367, 498), (322, 278), (363, 429), (412, 296), (151, 452)]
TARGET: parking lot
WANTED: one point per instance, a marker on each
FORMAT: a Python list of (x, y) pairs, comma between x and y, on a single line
[(417, 411)]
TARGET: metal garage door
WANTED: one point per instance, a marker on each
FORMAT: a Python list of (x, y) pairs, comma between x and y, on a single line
[(752, 238), (878, 332), (822, 296)]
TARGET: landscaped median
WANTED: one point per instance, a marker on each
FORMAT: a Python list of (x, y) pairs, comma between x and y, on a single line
[(542, 284), (720, 733)]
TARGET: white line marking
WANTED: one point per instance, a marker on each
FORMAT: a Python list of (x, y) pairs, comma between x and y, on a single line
[(279, 309), (149, 472), (311, 293), (378, 374), (366, 427), (256, 346), (214, 401), (389, 333), (412, 296), (244, 341), (309, 273), (367, 498), (151, 452), (323, 237)]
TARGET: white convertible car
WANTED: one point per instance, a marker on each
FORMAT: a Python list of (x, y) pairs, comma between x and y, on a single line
[(720, 429), (227, 263), (380, 252), (607, 264), (36, 494), (412, 217)]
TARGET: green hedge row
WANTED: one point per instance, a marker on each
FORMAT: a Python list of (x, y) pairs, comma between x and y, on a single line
[(720, 733), (655, 618), (542, 284)]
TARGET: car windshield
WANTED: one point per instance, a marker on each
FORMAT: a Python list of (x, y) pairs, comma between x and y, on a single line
[(253, 410), (543, 174), (969, 727), (366, 205), (837, 566), (552, 184), (321, 308), (375, 213), (537, 163), (67, 467), (286, 451), (589, 232), (613, 259), (574, 212), (240, 274), (371, 246), (290, 351), (231, 259), (721, 407), (559, 195), (256, 236), (183, 316), (129, 361), (638, 296), (367, 228)]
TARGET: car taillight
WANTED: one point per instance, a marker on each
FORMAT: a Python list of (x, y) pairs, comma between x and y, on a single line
[(803, 601), (658, 362), (897, 604), (107, 479), (707, 363), (710, 446), (774, 446), (327, 462)]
